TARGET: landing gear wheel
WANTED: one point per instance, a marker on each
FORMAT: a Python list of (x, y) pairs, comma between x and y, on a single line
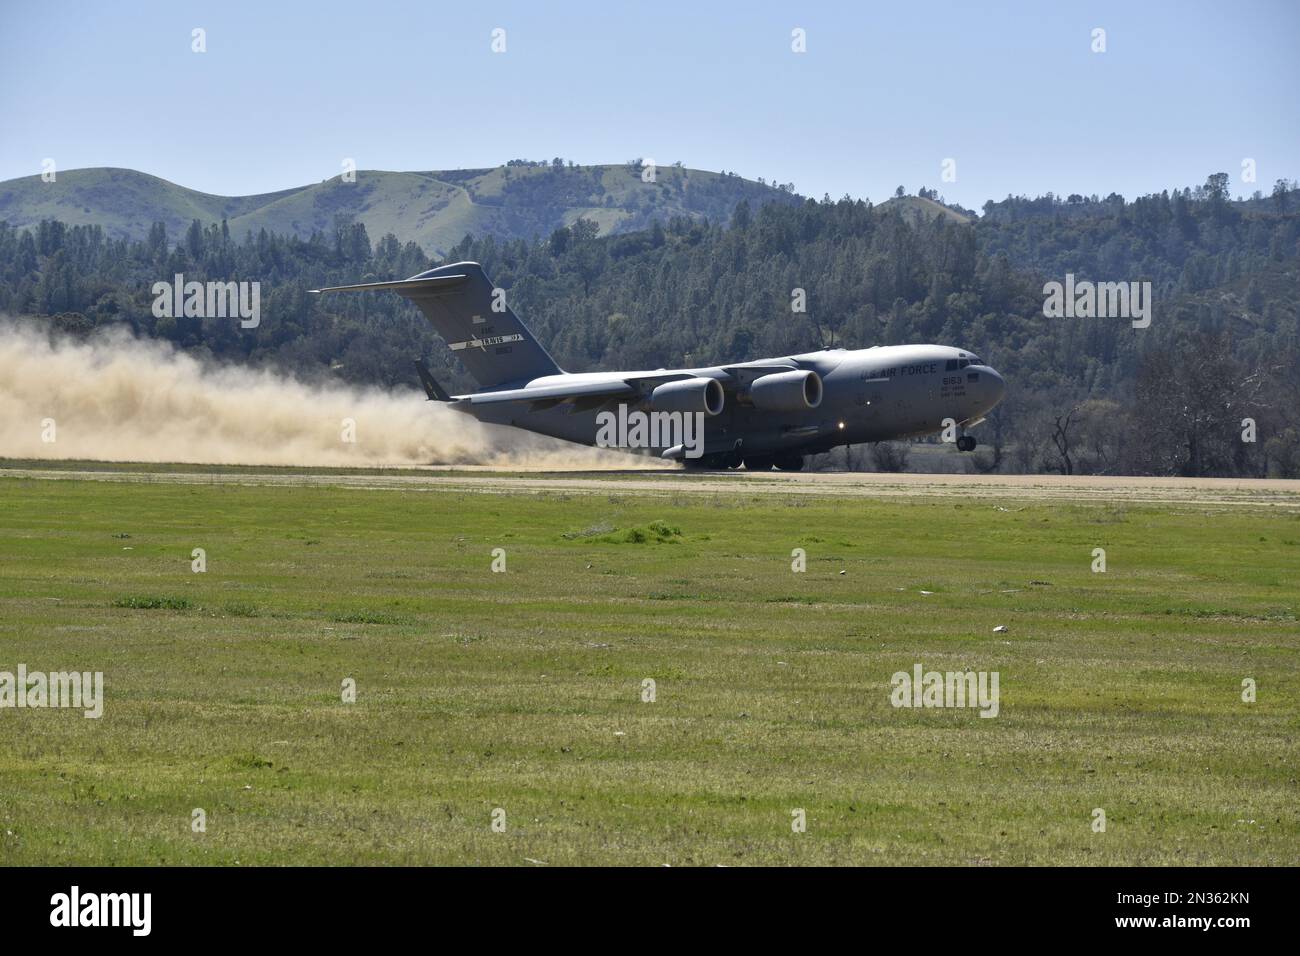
[(759, 463), (966, 443), (732, 460), (789, 462)]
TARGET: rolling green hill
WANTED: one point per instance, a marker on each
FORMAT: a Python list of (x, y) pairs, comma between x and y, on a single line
[(433, 209), (917, 210)]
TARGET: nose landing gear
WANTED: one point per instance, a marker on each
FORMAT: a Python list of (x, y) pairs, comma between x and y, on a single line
[(966, 443)]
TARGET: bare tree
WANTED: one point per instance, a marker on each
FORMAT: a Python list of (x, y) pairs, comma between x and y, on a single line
[(990, 454), (1101, 437), (822, 461), (1190, 401), (842, 458), (890, 455), (1061, 439)]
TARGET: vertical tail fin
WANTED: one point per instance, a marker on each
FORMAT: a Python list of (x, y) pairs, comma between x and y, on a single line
[(464, 307)]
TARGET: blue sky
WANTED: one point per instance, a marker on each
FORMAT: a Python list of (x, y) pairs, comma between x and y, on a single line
[(885, 92)]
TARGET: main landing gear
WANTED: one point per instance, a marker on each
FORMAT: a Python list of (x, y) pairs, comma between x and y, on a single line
[(724, 460), (720, 461), (966, 443), (786, 462)]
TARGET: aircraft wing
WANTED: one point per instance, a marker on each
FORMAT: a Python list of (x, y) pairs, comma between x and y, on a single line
[(554, 393), (632, 386), (746, 372)]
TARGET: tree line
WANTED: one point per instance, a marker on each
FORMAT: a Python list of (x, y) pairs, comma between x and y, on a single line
[(1087, 395)]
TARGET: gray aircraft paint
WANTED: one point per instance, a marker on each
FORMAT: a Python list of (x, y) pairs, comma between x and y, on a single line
[(868, 395)]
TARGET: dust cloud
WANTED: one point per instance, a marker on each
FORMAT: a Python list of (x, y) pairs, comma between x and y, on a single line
[(115, 397)]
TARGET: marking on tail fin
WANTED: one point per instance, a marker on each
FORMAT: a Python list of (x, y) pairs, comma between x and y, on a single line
[(482, 344)]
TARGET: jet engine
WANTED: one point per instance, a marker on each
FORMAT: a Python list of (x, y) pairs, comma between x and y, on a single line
[(794, 391), (689, 395)]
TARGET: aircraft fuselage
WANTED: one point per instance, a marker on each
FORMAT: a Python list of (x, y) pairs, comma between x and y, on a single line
[(868, 395), (764, 413)]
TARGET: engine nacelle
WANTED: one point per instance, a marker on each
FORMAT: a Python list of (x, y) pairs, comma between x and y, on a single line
[(689, 395), (795, 391)]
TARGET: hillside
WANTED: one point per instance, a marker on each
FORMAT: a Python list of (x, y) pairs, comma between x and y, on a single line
[(432, 209), (917, 210)]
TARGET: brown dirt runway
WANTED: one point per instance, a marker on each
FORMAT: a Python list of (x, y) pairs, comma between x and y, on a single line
[(1277, 493)]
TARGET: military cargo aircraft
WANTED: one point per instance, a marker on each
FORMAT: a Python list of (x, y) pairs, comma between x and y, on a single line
[(762, 414)]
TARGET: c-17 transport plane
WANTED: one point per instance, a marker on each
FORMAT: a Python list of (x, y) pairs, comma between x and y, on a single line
[(763, 414)]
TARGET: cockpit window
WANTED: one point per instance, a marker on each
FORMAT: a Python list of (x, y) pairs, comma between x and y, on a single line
[(953, 365)]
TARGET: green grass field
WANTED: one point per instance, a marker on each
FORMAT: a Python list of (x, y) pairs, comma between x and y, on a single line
[(522, 690)]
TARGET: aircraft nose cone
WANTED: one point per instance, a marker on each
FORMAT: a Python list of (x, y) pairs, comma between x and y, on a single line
[(996, 387)]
